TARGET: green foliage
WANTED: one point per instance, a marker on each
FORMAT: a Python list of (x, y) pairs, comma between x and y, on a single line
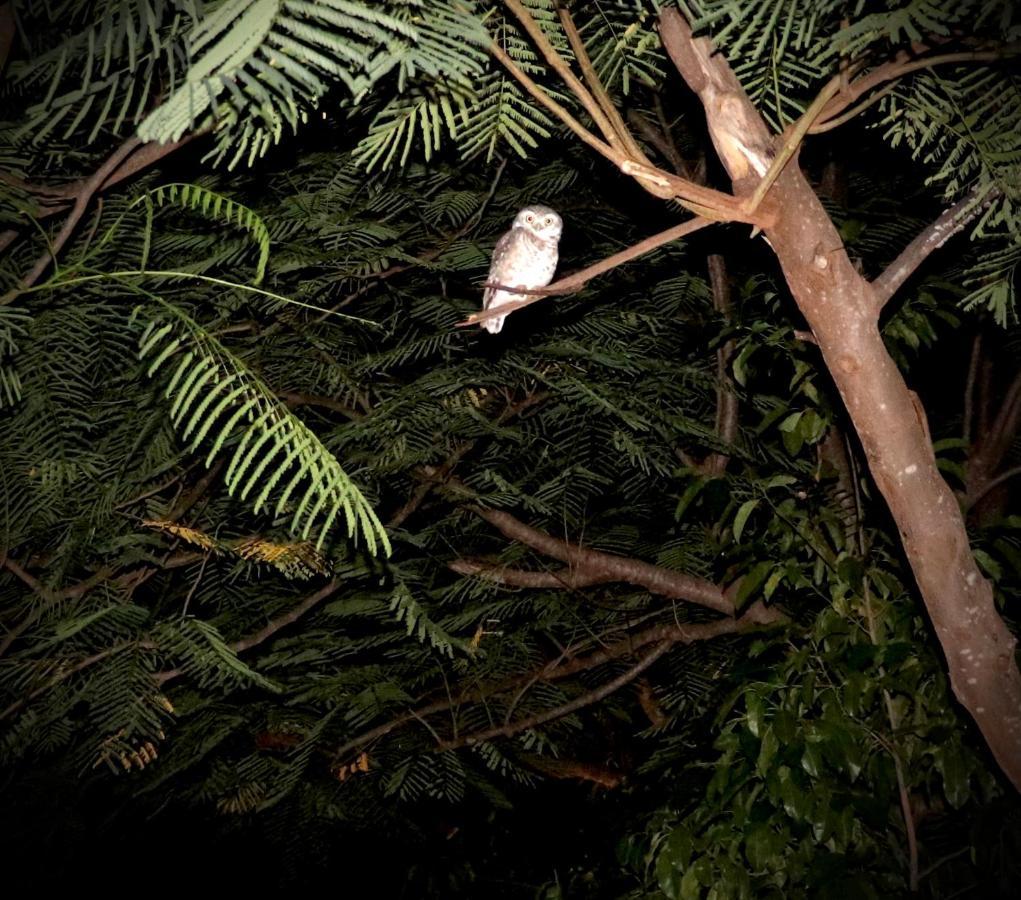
[(216, 206), (276, 456), (168, 629)]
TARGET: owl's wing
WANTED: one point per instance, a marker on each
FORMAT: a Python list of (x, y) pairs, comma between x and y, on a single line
[(499, 254)]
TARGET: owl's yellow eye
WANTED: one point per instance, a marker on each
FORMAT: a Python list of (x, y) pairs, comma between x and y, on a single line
[(548, 220)]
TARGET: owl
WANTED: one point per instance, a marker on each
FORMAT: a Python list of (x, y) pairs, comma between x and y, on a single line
[(524, 257)]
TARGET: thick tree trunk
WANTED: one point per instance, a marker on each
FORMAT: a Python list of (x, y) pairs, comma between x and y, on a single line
[(843, 312)]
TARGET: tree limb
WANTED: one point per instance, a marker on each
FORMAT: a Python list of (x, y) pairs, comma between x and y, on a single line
[(89, 188), (757, 616), (598, 567), (932, 238), (577, 280)]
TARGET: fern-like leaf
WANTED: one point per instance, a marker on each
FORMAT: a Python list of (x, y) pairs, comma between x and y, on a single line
[(275, 455)]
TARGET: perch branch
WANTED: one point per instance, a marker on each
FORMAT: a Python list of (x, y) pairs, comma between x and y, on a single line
[(576, 281)]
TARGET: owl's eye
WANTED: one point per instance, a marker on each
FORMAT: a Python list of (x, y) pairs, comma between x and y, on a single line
[(529, 217), (548, 221)]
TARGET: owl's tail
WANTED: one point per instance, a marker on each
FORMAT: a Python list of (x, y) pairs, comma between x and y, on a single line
[(493, 325)]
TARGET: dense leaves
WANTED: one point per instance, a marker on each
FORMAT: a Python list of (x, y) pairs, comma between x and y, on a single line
[(240, 386)]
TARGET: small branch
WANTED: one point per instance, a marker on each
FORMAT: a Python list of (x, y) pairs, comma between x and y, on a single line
[(558, 111), (572, 768), (196, 492), (63, 675), (8, 28), (28, 579), (423, 258), (295, 399), (932, 238), (909, 821), (609, 567), (588, 71), (969, 387), (701, 200), (576, 281), (792, 143), (726, 399), (854, 112), (661, 141), (88, 189), (560, 66), (757, 616), (903, 64), (586, 699), (971, 500), (562, 579), (57, 198), (433, 475), (265, 633), (1000, 435)]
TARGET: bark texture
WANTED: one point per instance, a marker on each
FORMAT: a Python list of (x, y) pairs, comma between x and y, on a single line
[(842, 311)]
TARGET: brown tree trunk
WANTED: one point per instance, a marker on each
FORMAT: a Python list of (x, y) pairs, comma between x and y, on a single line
[(843, 312)]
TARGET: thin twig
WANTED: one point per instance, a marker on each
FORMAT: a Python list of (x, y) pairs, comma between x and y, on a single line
[(266, 632), (88, 189), (969, 387), (586, 699)]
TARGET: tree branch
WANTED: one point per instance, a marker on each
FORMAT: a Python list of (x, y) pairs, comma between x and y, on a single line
[(577, 280), (294, 399), (757, 616), (602, 97), (932, 238), (89, 188), (598, 567), (586, 699), (701, 200), (904, 63), (267, 631)]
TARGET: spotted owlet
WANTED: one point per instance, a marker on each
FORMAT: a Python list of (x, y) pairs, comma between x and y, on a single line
[(524, 257)]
